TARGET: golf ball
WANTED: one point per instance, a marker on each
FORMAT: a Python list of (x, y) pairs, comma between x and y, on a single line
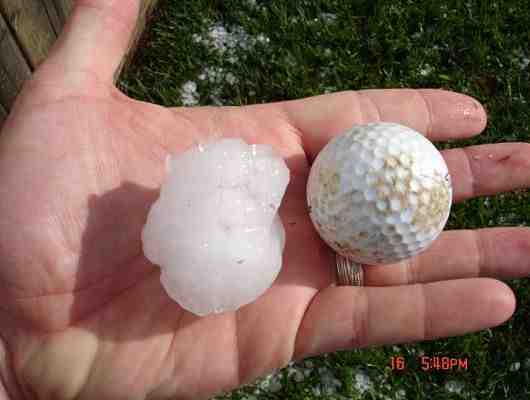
[(379, 193)]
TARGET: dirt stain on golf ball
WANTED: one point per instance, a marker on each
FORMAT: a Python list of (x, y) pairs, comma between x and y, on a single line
[(379, 193)]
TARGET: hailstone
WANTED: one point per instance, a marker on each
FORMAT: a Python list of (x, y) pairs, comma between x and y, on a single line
[(379, 193), (215, 231)]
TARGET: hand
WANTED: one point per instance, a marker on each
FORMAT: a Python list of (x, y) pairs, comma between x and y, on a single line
[(83, 314)]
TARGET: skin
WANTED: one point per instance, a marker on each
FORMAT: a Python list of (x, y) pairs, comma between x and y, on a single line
[(82, 311)]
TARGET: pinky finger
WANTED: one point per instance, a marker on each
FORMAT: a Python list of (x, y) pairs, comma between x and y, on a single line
[(351, 317)]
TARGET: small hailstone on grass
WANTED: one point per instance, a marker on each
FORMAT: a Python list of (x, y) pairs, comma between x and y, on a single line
[(426, 70), (362, 382), (453, 386), (328, 17), (215, 231), (525, 61), (515, 366), (296, 374), (189, 94)]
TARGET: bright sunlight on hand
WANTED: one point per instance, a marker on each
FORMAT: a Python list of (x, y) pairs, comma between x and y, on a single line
[(83, 312)]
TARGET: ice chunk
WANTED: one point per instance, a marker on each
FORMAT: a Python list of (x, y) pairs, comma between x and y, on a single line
[(215, 231)]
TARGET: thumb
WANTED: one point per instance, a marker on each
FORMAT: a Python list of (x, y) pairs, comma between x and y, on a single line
[(93, 42)]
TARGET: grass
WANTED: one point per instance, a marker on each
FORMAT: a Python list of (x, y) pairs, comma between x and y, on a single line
[(289, 49)]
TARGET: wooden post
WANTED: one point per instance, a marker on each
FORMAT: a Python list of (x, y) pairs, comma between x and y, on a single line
[(53, 15), (14, 69), (28, 29), (29, 21), (3, 114), (63, 7)]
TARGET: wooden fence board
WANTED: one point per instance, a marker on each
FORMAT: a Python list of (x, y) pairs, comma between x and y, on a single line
[(8, 89), (63, 9), (14, 69), (28, 29), (53, 15), (3, 115), (29, 21)]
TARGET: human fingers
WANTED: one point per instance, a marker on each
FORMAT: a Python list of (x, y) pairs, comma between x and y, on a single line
[(488, 169), (498, 252), (346, 317), (439, 114), (502, 253), (92, 43)]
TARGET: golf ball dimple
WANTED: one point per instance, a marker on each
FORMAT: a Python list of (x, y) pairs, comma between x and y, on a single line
[(379, 193)]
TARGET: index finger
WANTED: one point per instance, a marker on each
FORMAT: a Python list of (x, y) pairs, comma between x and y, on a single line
[(438, 114)]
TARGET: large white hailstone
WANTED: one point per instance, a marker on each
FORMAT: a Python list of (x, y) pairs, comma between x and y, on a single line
[(215, 231), (379, 193)]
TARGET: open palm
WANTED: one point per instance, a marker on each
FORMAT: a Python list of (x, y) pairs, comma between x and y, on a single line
[(83, 313)]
